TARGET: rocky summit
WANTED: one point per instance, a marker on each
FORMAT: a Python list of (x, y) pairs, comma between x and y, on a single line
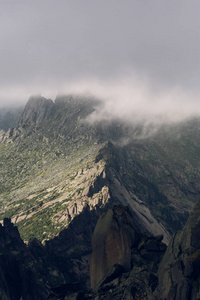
[(96, 201)]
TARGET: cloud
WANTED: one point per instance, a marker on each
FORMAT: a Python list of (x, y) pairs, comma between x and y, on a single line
[(130, 98), (135, 99), (140, 57), (64, 40)]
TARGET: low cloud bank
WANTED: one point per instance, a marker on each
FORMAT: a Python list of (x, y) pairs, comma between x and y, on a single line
[(135, 100), (130, 99)]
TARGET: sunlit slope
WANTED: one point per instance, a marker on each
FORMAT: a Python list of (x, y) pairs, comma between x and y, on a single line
[(55, 162), (40, 162)]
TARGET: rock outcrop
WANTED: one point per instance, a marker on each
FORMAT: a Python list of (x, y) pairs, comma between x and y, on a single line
[(71, 249), (124, 264), (123, 190), (36, 110), (53, 271), (124, 261), (19, 276), (113, 238), (179, 271)]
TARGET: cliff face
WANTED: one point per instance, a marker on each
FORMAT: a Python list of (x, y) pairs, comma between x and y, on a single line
[(63, 113), (71, 249), (19, 275), (124, 260), (114, 235), (36, 110), (34, 271), (179, 271)]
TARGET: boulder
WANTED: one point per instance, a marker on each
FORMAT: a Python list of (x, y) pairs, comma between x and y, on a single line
[(113, 238)]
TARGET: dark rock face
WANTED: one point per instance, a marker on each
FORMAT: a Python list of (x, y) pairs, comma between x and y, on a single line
[(124, 261), (36, 272), (60, 270), (19, 277), (114, 235), (71, 249), (179, 271), (64, 110), (124, 189)]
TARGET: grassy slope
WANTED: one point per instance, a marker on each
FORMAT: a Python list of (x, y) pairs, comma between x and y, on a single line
[(39, 167), (34, 175)]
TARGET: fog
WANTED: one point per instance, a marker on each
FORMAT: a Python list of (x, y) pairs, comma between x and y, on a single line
[(134, 100), (140, 57), (131, 99)]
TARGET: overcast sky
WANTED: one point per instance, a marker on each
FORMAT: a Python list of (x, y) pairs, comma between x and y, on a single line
[(145, 50)]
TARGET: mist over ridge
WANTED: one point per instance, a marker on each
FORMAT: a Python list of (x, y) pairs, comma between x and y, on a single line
[(130, 99)]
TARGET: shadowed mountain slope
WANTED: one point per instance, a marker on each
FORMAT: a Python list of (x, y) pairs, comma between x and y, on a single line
[(179, 276), (9, 116), (101, 256)]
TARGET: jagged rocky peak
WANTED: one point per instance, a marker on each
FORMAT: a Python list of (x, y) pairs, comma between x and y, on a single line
[(39, 108), (36, 109)]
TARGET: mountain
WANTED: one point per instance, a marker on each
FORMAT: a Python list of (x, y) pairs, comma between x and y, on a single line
[(56, 161), (9, 117), (95, 202)]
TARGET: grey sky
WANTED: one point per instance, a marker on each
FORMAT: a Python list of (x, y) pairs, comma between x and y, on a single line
[(49, 47)]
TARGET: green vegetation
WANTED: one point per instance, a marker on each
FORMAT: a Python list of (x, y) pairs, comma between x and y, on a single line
[(41, 225), (32, 178), (47, 168), (38, 167)]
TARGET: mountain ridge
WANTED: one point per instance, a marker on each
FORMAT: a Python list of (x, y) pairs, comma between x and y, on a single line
[(75, 188), (54, 161)]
